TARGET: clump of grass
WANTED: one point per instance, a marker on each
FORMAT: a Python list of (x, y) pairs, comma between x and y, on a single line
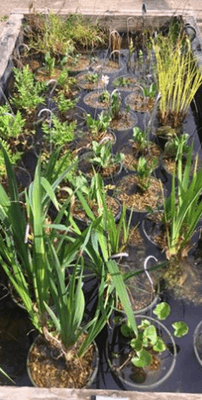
[(178, 79), (61, 36)]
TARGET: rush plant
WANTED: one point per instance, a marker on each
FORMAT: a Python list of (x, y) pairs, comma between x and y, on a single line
[(183, 208), (178, 79), (37, 256)]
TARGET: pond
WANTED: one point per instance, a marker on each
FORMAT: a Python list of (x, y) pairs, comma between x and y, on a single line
[(99, 106)]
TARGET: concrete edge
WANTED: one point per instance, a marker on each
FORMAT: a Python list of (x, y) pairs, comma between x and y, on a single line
[(102, 12), (28, 393)]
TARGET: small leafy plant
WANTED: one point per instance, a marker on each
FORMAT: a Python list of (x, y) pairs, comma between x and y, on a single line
[(92, 77), (49, 63), (105, 97), (175, 144), (29, 93), (65, 82), (140, 137), (64, 104), (144, 171), (103, 156), (149, 92), (122, 81), (59, 133), (98, 125), (115, 103), (11, 125), (148, 340)]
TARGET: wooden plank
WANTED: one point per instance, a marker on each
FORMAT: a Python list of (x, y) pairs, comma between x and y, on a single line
[(8, 39), (29, 393)]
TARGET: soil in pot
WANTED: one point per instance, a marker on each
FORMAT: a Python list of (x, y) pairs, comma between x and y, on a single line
[(124, 120), (94, 100), (129, 193), (48, 368), (90, 81), (78, 63), (138, 102), (154, 230), (101, 137), (132, 153), (125, 82)]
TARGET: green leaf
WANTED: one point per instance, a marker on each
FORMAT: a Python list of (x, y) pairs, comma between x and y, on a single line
[(144, 324), (159, 346), (143, 359), (136, 344), (180, 328), (126, 330), (150, 333), (162, 310)]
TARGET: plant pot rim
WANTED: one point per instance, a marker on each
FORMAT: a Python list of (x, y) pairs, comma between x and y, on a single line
[(195, 337), (125, 88), (148, 307), (104, 66)]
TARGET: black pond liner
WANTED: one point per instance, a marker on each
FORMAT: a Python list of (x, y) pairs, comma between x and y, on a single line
[(16, 330)]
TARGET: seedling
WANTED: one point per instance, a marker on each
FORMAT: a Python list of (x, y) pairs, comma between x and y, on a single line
[(49, 63), (140, 137), (144, 172), (103, 156), (115, 103), (98, 125), (122, 81), (150, 92), (92, 77), (105, 97)]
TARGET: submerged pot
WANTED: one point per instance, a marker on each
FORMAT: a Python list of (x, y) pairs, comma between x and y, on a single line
[(119, 353), (197, 342), (46, 366)]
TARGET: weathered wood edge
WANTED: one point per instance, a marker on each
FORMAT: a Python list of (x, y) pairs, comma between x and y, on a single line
[(27, 393), (8, 38)]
